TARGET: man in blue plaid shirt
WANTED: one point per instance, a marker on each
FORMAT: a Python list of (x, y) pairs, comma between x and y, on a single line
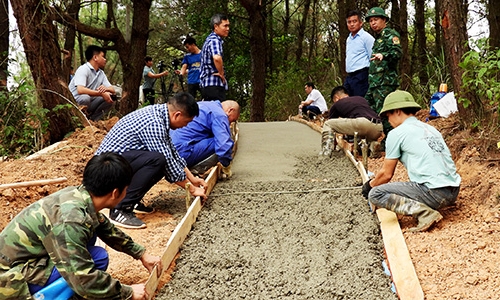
[(212, 77), (142, 138)]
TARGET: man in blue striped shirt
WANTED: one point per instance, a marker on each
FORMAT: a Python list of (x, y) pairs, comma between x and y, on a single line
[(213, 77), (142, 138), (358, 53)]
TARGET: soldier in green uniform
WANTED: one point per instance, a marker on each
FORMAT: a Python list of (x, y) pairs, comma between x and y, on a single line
[(54, 237), (383, 75)]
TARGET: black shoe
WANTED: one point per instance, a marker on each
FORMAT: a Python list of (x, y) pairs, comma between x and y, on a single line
[(140, 208), (125, 219)]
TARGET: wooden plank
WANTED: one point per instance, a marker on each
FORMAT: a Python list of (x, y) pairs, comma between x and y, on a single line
[(180, 233), (46, 150), (403, 273), (32, 183)]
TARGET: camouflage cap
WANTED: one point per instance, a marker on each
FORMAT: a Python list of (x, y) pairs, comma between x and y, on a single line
[(376, 12), (398, 99)]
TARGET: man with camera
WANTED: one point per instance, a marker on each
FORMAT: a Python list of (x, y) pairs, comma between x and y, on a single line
[(90, 86), (212, 78), (191, 66), (150, 78)]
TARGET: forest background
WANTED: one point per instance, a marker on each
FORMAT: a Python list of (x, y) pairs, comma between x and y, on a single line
[(274, 47)]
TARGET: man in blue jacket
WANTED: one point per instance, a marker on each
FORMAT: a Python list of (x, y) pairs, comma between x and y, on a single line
[(207, 139)]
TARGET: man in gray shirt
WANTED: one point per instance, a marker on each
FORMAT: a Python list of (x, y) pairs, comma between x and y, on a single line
[(90, 86)]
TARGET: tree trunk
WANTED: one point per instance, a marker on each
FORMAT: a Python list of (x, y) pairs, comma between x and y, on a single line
[(132, 56), (69, 42), (421, 45), (404, 65), (455, 46), (344, 7), (438, 28), (494, 22), (4, 43), (258, 50), (302, 31), (39, 37), (313, 40)]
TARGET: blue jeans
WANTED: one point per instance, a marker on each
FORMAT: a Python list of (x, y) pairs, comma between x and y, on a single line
[(101, 261), (434, 198)]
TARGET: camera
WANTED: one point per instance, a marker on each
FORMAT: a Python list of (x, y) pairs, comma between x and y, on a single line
[(176, 63), (161, 66)]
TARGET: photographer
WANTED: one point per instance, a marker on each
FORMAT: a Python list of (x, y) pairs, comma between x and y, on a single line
[(191, 66), (150, 79)]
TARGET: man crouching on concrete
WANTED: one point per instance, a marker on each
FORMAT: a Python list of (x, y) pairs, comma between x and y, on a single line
[(434, 182)]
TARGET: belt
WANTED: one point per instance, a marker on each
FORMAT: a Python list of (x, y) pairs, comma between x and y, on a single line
[(358, 71), (374, 121)]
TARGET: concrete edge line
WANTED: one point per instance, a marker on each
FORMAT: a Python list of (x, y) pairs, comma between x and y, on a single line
[(184, 227), (403, 272)]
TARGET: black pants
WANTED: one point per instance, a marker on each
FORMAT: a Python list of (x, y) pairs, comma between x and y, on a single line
[(193, 88), (149, 168), (213, 93), (149, 96)]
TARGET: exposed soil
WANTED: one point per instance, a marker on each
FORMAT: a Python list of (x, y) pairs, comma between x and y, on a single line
[(455, 260)]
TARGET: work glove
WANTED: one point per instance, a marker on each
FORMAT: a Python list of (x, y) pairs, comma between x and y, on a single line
[(366, 189)]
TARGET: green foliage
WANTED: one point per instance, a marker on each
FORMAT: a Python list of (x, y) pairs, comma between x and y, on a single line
[(23, 121), (286, 89), (482, 75)]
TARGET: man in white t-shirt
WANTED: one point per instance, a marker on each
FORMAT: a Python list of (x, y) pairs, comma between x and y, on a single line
[(315, 103)]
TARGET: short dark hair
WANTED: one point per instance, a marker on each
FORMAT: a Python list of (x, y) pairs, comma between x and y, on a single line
[(355, 12), (310, 84), (148, 58), (185, 102), (93, 50), (217, 19), (337, 90), (106, 172), (189, 40)]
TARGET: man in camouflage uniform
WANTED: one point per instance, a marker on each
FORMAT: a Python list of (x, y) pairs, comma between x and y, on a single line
[(383, 75), (55, 237)]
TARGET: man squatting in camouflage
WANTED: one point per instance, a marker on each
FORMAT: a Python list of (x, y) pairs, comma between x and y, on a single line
[(55, 237), (383, 77)]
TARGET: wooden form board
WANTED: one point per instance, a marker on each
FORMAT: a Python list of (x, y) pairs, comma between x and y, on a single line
[(402, 270), (180, 233)]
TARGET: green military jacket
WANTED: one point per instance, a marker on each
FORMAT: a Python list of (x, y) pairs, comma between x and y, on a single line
[(385, 71), (55, 231)]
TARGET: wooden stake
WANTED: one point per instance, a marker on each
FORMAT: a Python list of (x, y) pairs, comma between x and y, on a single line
[(32, 183)]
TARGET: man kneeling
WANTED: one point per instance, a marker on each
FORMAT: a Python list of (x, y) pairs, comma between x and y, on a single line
[(434, 182), (54, 238)]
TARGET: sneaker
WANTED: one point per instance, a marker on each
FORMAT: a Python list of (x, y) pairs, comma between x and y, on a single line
[(140, 208), (125, 219)]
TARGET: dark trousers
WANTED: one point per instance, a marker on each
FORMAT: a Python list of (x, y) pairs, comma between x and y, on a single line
[(149, 96), (193, 88), (149, 168), (356, 83), (311, 111), (213, 93)]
